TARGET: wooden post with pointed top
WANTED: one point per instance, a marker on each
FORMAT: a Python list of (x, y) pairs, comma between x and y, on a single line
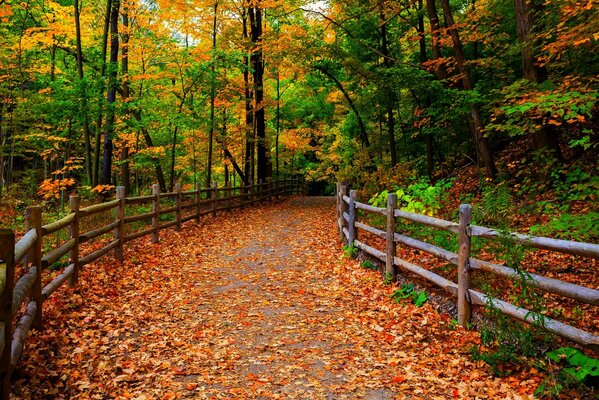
[(391, 226), (156, 211), (337, 198), (351, 224), (74, 204), (119, 231), (213, 196), (7, 277), (229, 195), (178, 204), (464, 303), (342, 209), (33, 220), (198, 198)]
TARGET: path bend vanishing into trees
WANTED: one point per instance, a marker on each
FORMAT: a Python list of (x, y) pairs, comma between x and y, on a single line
[(254, 304)]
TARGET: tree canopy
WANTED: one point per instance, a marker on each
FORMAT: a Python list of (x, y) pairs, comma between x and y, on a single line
[(127, 92)]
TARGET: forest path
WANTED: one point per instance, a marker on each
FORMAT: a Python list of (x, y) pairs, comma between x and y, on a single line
[(254, 304)]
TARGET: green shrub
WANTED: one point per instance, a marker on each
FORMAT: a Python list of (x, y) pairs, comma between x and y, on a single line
[(570, 227)]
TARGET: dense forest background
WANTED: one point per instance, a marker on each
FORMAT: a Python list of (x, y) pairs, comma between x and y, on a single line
[(384, 94)]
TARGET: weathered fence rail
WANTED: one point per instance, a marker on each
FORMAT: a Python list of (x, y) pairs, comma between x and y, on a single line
[(348, 225), (28, 293)]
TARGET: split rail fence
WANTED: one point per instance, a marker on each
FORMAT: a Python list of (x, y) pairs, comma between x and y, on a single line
[(348, 225), (27, 251)]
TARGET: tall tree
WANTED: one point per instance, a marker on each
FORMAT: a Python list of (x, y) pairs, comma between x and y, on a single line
[(526, 12), (212, 98), (263, 160), (389, 94), (83, 88), (111, 97), (483, 149)]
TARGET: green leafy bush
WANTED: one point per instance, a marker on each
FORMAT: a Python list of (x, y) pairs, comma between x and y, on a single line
[(570, 227), (367, 264), (406, 291), (579, 366)]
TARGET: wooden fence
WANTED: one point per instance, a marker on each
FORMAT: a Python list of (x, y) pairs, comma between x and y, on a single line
[(348, 224), (27, 252)]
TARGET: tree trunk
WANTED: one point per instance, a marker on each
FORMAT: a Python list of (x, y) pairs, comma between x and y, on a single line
[(482, 145), (101, 94), (389, 95), (126, 94), (212, 100), (525, 12), (84, 110), (249, 114), (363, 133), (111, 98), (150, 143), (433, 17), (257, 62), (278, 122)]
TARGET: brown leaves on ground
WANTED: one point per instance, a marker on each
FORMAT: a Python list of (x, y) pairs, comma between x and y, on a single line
[(257, 303)]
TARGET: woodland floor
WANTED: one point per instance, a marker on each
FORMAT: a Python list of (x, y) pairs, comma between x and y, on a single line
[(256, 304)]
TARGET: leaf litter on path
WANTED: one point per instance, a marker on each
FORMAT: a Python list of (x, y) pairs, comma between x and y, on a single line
[(255, 304)]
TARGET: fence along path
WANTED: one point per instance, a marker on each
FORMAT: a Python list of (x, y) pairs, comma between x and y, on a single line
[(27, 251), (348, 224)]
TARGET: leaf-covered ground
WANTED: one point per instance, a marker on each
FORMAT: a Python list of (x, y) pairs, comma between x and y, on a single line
[(258, 303)]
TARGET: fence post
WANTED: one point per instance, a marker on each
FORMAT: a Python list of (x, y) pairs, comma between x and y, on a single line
[(7, 277), (33, 217), (178, 204), (351, 225), (229, 195), (74, 203), (198, 198), (156, 211), (213, 196), (391, 226), (119, 231), (342, 209), (269, 189), (464, 303)]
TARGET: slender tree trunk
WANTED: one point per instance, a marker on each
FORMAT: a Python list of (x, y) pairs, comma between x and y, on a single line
[(249, 113), (389, 95), (257, 62), (171, 185), (83, 85), (526, 12), (101, 94), (481, 143), (125, 164), (363, 133), (430, 161), (212, 99), (433, 17), (111, 98), (278, 122), (150, 143)]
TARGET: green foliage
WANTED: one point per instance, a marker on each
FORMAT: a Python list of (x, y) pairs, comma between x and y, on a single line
[(523, 105), (574, 184), (504, 340), (584, 142), (406, 291), (420, 197), (495, 207), (578, 365), (367, 264), (388, 278), (350, 251), (570, 227)]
